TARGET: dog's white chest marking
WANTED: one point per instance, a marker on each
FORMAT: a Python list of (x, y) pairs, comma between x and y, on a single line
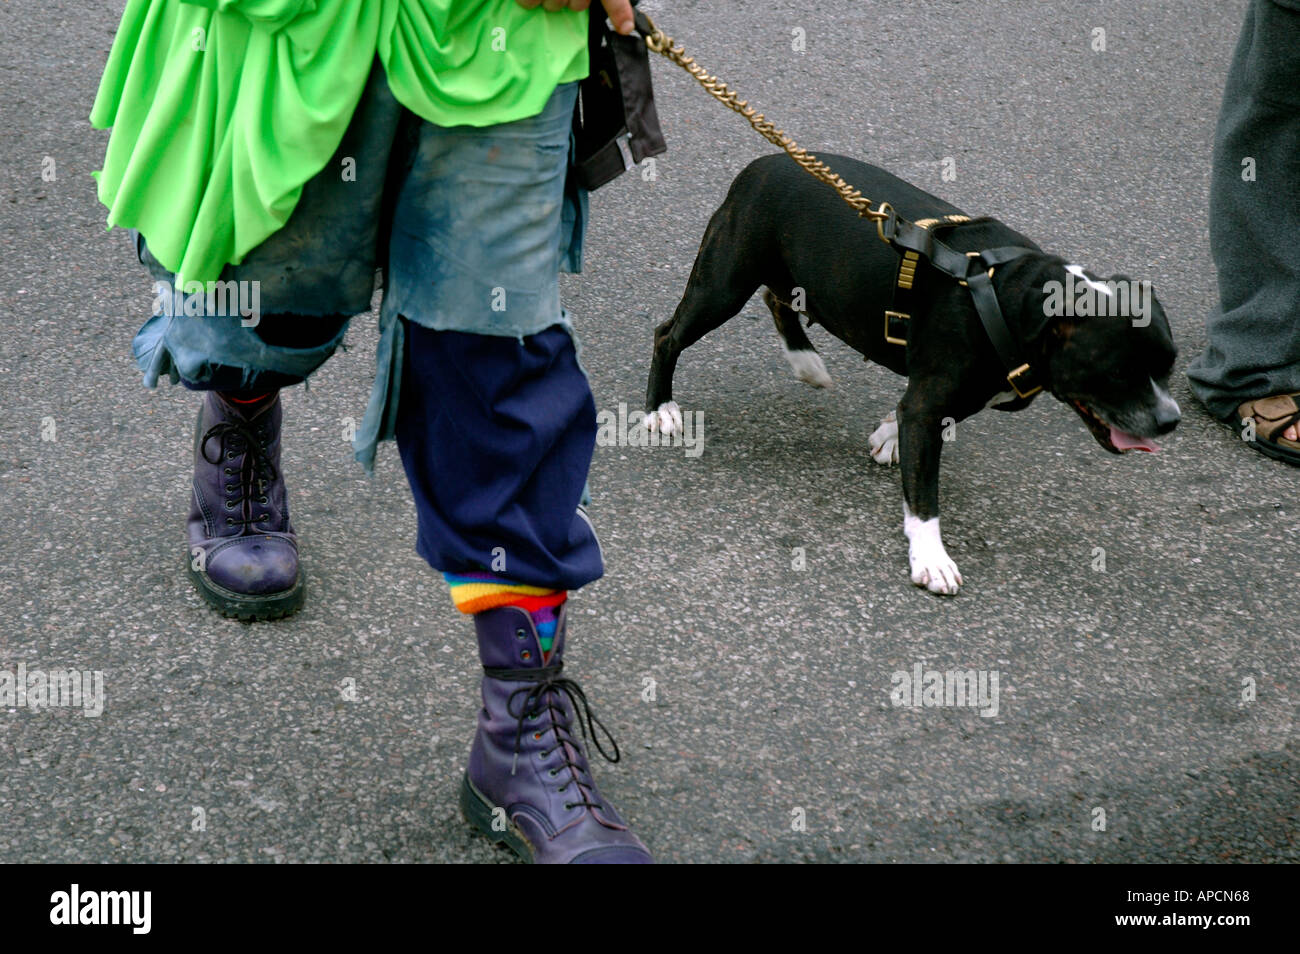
[(931, 565), (1005, 397), (884, 441), (1077, 272)]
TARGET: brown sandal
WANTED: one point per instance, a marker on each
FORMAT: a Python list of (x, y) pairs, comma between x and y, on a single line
[(1272, 416)]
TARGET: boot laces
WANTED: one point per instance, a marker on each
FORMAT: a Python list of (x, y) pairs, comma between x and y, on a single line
[(544, 691), (236, 438)]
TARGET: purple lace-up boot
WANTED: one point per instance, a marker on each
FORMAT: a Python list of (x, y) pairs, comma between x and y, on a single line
[(528, 782), (243, 554)]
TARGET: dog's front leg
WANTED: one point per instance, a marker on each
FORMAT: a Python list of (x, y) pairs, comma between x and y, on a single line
[(920, 437)]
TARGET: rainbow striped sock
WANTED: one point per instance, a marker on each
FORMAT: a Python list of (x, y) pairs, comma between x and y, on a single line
[(475, 592)]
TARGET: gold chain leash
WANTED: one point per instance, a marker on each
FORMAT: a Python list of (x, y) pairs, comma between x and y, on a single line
[(659, 42)]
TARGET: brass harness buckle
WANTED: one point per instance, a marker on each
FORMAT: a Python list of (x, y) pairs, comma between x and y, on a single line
[(1011, 380), (895, 316)]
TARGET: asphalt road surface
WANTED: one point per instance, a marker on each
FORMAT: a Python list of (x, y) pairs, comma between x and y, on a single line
[(1124, 729)]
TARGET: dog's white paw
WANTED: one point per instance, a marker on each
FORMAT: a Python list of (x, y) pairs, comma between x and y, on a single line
[(931, 565), (808, 367), (666, 420), (884, 441), (937, 573)]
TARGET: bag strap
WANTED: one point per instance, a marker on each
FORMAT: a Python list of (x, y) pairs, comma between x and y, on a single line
[(616, 125)]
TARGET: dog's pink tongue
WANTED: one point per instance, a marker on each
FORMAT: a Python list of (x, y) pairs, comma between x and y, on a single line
[(1127, 442)]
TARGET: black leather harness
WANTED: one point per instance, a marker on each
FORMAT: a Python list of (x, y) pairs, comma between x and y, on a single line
[(917, 243)]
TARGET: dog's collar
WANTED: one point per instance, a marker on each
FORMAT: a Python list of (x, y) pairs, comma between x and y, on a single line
[(915, 241)]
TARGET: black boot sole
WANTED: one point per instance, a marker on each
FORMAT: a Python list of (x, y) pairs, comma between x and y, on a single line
[(477, 809), (245, 607)]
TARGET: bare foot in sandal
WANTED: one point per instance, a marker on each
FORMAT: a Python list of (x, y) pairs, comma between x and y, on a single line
[(1277, 426)]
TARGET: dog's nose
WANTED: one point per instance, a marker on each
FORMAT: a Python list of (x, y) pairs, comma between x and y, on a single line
[(1167, 417), (1167, 413)]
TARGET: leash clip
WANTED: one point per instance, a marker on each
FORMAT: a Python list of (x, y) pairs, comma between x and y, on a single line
[(884, 214)]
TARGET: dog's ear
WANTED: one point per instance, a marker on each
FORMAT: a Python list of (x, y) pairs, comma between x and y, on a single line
[(1155, 332), (1031, 293)]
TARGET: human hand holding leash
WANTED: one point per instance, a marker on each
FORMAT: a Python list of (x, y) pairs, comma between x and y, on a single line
[(620, 11)]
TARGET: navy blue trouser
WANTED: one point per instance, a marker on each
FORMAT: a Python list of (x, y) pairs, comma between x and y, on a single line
[(496, 437)]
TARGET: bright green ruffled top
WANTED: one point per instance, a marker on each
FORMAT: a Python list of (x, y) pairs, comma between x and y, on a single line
[(221, 110)]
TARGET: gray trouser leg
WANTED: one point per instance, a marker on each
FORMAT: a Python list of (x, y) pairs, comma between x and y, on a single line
[(1254, 332)]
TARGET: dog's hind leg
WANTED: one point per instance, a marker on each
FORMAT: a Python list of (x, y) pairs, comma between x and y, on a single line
[(720, 284), (799, 351)]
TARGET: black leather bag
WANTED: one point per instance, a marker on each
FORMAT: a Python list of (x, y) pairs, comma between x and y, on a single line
[(615, 125)]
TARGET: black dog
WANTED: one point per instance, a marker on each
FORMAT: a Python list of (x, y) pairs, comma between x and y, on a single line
[(782, 229)]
